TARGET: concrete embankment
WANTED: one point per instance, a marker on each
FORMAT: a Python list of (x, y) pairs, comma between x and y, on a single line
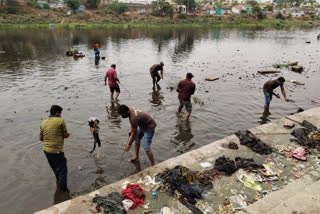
[(295, 191)]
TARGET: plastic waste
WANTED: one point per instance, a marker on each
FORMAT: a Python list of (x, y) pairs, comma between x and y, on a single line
[(251, 184), (154, 194), (238, 202), (167, 210), (127, 204), (206, 164)]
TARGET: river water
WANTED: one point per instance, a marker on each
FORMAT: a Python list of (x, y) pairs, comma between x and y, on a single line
[(35, 73)]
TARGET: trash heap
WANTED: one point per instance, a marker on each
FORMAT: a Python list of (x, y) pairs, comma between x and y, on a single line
[(228, 184)]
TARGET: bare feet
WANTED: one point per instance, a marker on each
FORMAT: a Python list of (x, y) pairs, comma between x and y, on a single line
[(133, 159)]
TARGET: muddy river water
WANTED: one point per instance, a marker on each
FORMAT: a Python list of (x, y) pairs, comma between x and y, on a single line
[(35, 73)]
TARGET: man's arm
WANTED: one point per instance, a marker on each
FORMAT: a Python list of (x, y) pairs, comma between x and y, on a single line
[(66, 134), (284, 93), (161, 72), (133, 132), (178, 87), (116, 77), (41, 137), (193, 89)]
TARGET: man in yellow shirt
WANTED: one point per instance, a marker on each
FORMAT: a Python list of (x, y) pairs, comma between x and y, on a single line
[(53, 130)]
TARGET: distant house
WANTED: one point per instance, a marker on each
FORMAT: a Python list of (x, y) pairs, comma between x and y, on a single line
[(297, 12), (177, 8), (238, 9), (209, 10), (57, 4)]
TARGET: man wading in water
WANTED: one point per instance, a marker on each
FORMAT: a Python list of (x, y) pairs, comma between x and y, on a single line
[(113, 81), (142, 125), (155, 74), (53, 130), (268, 88), (185, 89)]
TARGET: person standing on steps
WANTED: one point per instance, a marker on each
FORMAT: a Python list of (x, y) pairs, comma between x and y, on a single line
[(142, 125), (155, 74), (185, 89), (113, 81), (268, 88), (53, 130)]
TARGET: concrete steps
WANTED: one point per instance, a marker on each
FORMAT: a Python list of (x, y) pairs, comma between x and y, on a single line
[(299, 197)]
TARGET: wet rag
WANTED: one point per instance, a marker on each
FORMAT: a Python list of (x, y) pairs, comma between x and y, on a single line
[(135, 193)]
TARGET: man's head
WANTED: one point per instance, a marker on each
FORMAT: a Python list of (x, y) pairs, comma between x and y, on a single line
[(281, 80), (124, 111), (113, 66), (56, 110), (189, 75), (161, 63)]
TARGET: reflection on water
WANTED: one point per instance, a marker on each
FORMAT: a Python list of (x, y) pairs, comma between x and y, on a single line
[(182, 135), (35, 73), (112, 114), (156, 98)]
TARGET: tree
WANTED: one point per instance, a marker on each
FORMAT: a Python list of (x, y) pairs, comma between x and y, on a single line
[(162, 8), (234, 3), (252, 2), (92, 3), (73, 4), (256, 10), (190, 4), (118, 7)]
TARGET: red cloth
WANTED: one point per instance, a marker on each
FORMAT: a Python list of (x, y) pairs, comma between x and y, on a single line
[(137, 199)]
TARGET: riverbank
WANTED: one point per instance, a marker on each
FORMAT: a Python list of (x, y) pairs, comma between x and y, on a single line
[(293, 187), (29, 17)]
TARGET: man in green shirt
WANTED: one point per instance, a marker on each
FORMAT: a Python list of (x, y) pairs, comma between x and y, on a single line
[(53, 130)]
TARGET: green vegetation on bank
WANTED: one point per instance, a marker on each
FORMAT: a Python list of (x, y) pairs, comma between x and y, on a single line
[(115, 15)]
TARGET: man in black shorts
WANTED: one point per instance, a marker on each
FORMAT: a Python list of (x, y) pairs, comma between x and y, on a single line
[(155, 74), (113, 81)]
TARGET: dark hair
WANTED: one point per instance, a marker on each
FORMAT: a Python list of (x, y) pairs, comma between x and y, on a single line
[(161, 63), (113, 66), (123, 109), (189, 75), (281, 79), (55, 109)]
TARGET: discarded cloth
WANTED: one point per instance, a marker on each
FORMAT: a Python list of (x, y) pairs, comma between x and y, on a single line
[(248, 139), (238, 202), (134, 193), (300, 153), (194, 209), (308, 136), (111, 204), (211, 175), (186, 182), (228, 166)]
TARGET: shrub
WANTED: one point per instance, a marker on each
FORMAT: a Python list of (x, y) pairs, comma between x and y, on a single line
[(289, 16), (46, 6), (118, 7), (256, 10), (98, 12), (73, 4), (92, 3), (181, 16), (280, 16), (12, 10), (31, 3), (156, 13), (38, 6)]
